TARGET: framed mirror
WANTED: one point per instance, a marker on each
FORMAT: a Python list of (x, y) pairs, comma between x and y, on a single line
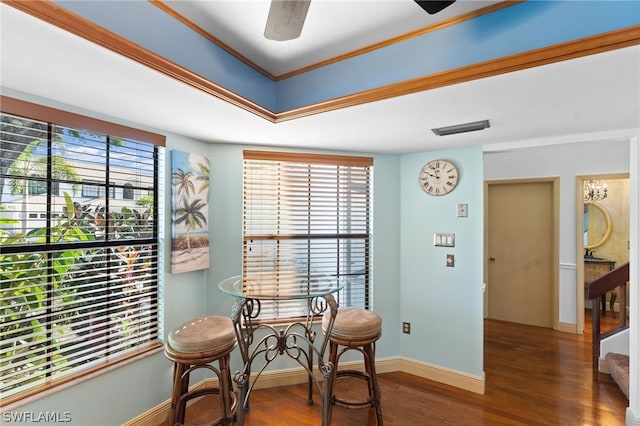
[(597, 224)]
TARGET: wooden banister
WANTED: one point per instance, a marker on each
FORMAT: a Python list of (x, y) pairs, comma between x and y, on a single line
[(608, 281), (617, 278)]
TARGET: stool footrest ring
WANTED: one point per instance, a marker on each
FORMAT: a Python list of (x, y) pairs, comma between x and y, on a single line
[(353, 373), (353, 404)]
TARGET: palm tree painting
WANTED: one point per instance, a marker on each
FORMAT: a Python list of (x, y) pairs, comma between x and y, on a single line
[(189, 212)]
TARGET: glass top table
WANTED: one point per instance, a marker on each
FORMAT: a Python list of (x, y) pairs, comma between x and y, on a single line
[(283, 289), (262, 341)]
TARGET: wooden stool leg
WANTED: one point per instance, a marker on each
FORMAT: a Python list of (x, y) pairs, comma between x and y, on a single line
[(374, 389), (173, 416), (181, 395), (184, 389), (225, 390), (369, 376)]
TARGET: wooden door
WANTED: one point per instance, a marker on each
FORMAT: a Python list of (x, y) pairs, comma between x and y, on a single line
[(520, 248)]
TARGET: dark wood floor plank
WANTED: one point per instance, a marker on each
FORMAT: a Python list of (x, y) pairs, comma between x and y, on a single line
[(534, 376)]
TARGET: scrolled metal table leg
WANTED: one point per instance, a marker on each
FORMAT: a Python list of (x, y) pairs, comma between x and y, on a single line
[(241, 380), (327, 368), (310, 377), (246, 309), (327, 374)]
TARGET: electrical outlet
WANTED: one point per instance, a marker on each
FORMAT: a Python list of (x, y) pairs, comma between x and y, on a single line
[(406, 327), (451, 261)]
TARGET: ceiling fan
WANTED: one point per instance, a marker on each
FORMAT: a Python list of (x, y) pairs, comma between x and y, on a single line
[(286, 17)]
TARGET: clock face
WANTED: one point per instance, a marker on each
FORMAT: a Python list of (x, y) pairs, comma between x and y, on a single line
[(438, 177)]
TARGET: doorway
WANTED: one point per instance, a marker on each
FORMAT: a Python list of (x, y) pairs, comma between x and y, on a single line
[(521, 251), (611, 243)]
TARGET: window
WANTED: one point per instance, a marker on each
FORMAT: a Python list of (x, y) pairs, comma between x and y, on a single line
[(92, 189), (306, 217), (78, 270), (37, 187), (127, 192)]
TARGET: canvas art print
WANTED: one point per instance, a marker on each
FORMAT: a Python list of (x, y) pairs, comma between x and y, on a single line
[(189, 211)]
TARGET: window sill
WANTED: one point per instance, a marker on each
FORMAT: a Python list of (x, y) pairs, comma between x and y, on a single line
[(47, 390)]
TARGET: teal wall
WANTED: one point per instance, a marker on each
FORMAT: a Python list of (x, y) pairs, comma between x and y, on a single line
[(411, 282), (226, 232), (443, 304)]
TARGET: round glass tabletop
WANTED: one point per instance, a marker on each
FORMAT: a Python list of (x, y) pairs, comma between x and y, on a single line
[(281, 288)]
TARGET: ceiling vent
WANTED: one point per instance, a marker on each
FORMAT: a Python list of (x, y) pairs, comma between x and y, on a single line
[(461, 128)]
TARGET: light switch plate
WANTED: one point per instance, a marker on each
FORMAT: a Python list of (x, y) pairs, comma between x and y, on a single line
[(462, 210), (441, 239)]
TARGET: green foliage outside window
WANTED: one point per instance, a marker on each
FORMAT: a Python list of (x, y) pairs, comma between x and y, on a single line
[(44, 336)]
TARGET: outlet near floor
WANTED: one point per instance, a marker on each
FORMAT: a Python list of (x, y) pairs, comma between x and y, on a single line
[(406, 327)]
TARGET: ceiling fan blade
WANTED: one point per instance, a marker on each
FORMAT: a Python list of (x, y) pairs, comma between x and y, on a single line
[(286, 18), (432, 7)]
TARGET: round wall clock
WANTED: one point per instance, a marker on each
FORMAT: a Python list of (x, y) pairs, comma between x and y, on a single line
[(438, 177)]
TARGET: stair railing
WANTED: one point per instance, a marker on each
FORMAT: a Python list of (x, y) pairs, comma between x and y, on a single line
[(617, 278)]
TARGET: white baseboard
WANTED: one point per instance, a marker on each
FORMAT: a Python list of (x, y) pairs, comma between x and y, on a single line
[(151, 417), (158, 414), (443, 375), (567, 327), (270, 379), (631, 418)]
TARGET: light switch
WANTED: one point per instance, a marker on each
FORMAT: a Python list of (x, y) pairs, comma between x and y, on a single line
[(462, 210), (441, 239)]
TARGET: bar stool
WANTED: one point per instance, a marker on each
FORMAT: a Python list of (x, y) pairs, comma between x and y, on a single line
[(355, 329), (193, 346)]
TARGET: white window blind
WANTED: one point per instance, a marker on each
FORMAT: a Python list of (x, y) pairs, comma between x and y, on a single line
[(79, 271), (306, 218)]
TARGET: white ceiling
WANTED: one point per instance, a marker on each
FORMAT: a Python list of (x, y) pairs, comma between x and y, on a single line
[(332, 27), (593, 96)]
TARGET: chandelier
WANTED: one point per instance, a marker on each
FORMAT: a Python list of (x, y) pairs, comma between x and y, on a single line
[(594, 190)]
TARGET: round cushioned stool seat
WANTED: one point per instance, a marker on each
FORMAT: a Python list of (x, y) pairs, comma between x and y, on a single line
[(208, 333), (193, 346), (354, 324)]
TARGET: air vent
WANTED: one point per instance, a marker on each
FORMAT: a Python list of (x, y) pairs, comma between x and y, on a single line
[(461, 128)]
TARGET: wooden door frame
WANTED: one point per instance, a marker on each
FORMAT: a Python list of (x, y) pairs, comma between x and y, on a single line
[(555, 255), (580, 242)]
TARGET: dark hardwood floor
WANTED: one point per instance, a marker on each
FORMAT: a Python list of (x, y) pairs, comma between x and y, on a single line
[(534, 376)]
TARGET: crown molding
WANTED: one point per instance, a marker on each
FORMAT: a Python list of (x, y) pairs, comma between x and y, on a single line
[(50, 12)]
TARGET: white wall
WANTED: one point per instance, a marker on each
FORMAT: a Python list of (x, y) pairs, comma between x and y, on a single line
[(633, 411), (566, 162)]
